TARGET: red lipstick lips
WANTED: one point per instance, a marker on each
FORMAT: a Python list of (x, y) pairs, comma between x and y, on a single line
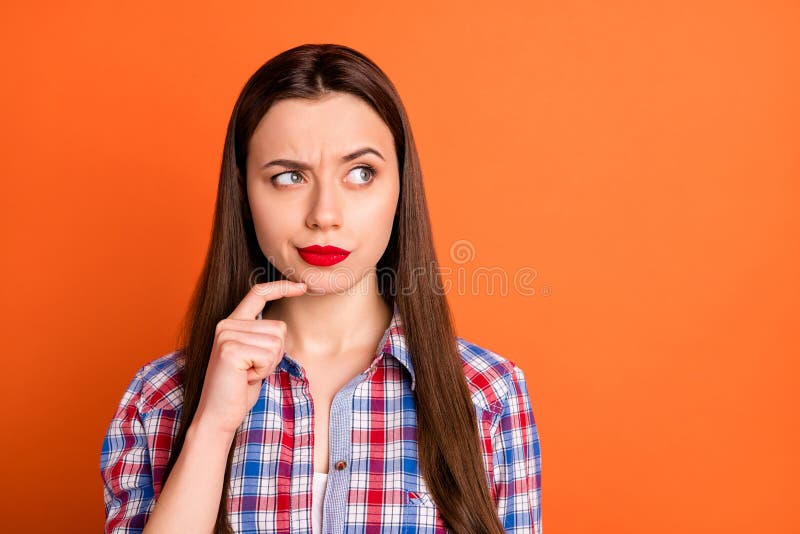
[(322, 256)]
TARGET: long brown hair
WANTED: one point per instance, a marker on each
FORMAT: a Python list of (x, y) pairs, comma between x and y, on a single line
[(455, 476)]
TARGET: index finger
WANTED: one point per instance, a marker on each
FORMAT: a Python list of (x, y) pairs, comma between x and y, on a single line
[(259, 294)]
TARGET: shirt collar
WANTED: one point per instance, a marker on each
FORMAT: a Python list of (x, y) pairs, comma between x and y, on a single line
[(392, 343)]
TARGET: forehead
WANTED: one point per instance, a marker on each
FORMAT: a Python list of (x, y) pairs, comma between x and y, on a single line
[(333, 123)]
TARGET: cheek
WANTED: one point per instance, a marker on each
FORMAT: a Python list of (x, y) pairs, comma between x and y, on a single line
[(376, 219), (272, 230)]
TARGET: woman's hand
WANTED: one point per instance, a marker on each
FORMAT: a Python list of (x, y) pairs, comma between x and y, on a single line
[(245, 352)]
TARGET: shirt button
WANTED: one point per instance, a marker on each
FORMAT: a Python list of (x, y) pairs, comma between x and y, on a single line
[(341, 464)]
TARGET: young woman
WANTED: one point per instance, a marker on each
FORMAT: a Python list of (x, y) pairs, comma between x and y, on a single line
[(320, 386)]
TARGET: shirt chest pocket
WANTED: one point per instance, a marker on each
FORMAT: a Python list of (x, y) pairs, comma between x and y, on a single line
[(420, 515)]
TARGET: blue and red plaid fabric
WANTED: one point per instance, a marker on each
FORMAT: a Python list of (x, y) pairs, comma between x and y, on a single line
[(374, 481)]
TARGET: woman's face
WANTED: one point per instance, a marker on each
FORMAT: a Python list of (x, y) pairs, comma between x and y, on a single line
[(309, 182)]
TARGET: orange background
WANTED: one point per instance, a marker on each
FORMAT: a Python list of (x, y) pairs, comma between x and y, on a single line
[(642, 157)]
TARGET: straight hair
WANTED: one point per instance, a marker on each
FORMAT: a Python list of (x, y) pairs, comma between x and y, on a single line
[(455, 475)]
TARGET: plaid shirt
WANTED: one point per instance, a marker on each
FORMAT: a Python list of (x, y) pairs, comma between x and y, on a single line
[(374, 483)]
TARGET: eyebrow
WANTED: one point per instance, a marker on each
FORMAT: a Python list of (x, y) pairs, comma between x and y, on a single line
[(305, 166)]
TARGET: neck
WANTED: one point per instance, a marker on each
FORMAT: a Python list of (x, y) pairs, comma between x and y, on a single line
[(321, 327)]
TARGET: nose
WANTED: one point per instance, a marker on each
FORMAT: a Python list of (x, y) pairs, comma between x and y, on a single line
[(326, 207)]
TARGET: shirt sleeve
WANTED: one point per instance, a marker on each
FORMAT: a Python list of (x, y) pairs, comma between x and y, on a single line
[(517, 461), (125, 466)]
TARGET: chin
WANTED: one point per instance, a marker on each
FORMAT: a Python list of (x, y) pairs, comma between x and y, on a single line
[(319, 282)]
